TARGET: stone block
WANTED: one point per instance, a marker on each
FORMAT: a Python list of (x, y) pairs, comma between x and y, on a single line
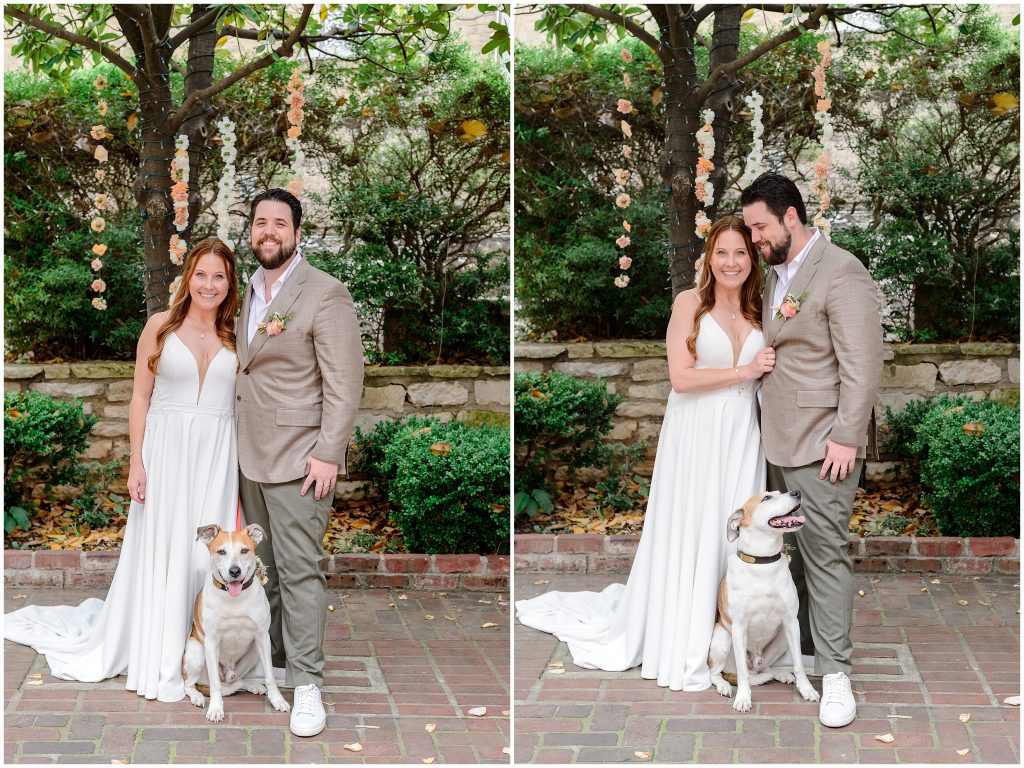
[(98, 449), (622, 430), (110, 429), (57, 371), (637, 410), (534, 543), (650, 370), (22, 372), (115, 412), (492, 392), (11, 386), (584, 369), (897, 401), (631, 349), (649, 431), (367, 421), (1006, 396), (119, 391), (350, 490), (580, 351), (496, 371), (882, 471), (1013, 369), (538, 351), (888, 355), (957, 372), (482, 418), (918, 350), (393, 371), (61, 389), (919, 376), (453, 371), (438, 393), (387, 398), (103, 370), (987, 348), (528, 366), (659, 391)]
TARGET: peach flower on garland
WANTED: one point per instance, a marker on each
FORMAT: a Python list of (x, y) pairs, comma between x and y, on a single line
[(627, 226), (625, 106), (621, 176), (622, 241), (98, 285), (100, 82), (99, 303), (100, 201), (625, 262), (97, 265), (622, 281), (98, 224), (626, 55), (622, 200), (98, 132), (627, 150), (102, 108), (99, 249)]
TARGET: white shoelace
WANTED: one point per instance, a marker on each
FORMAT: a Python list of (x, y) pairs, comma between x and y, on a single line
[(306, 697), (833, 688)]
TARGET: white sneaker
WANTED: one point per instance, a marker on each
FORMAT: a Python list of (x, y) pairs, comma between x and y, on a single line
[(308, 716), (837, 707)]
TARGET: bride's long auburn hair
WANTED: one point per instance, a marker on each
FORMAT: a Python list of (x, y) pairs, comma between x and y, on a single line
[(750, 292), (225, 324)]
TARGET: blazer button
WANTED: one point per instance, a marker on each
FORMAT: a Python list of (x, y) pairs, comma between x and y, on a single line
[(238, 397), (246, 371)]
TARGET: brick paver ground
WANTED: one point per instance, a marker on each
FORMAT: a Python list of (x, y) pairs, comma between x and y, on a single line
[(922, 659), (391, 671)]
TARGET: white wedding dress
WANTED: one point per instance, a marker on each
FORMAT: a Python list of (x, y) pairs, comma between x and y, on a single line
[(709, 462), (189, 453)]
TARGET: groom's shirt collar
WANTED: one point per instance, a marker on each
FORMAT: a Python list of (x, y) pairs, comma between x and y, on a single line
[(258, 306), (787, 271)]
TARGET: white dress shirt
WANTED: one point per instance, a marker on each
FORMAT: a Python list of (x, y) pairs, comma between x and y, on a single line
[(786, 272), (259, 305)]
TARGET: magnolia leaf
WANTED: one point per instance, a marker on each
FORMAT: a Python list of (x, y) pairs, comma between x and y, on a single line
[(354, 747), (428, 617), (221, 40), (961, 602), (962, 752), (18, 597), (965, 717), (1013, 701), (43, 137), (477, 711), (1003, 103), (542, 581), (887, 738), (556, 671), (642, 755), (506, 751), (403, 597), (430, 727), (100, 154), (626, 129), (488, 625), (35, 682), (472, 130), (564, 112), (747, 14), (658, 93), (323, 11), (428, 760), (131, 121)]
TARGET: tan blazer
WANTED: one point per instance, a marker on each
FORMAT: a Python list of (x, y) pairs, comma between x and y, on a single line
[(828, 362), (297, 393)]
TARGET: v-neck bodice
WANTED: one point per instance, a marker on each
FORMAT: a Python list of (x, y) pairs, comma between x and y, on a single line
[(178, 382)]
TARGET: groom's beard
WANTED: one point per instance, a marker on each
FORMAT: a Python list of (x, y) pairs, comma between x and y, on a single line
[(777, 253), (271, 260)]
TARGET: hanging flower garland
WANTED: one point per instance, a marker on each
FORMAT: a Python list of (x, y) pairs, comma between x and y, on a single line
[(295, 103), (99, 200), (823, 165), (755, 161), (179, 193), (622, 175), (226, 185), (704, 190)]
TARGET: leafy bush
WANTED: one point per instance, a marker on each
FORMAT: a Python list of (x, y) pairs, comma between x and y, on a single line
[(447, 483), (971, 479), (43, 437), (371, 448), (559, 419)]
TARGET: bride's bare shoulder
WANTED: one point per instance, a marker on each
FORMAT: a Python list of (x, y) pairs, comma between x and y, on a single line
[(686, 301)]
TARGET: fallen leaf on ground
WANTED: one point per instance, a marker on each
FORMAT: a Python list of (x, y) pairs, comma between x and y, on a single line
[(982, 602), (557, 664), (936, 581), (403, 597), (487, 602), (428, 617), (860, 592), (962, 752), (556, 671), (449, 617), (428, 760), (35, 674), (1013, 701), (642, 755), (35, 682), (392, 605), (488, 625), (478, 711), (506, 713), (430, 727), (542, 581), (119, 762), (962, 602), (442, 594), (924, 589), (506, 750), (18, 597), (965, 717), (886, 738), (354, 747), (330, 608)]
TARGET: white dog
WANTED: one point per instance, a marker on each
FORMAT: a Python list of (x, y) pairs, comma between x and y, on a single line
[(231, 624), (757, 601)]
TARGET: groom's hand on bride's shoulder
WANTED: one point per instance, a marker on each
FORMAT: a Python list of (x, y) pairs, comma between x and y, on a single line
[(321, 475)]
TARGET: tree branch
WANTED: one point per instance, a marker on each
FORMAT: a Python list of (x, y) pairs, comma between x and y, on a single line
[(283, 51), (142, 15), (632, 27), (201, 23), (73, 37)]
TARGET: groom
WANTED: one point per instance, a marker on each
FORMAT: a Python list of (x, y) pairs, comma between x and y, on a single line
[(298, 388), (820, 311)]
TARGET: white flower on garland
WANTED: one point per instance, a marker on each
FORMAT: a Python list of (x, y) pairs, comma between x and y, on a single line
[(227, 184), (179, 175), (823, 165), (704, 190), (755, 161)]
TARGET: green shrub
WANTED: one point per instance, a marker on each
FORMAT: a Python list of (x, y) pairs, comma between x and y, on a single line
[(448, 487), (971, 480), (371, 447), (559, 419), (43, 437)]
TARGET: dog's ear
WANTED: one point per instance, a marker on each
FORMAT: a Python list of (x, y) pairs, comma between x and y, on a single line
[(254, 532), (732, 527), (207, 533)]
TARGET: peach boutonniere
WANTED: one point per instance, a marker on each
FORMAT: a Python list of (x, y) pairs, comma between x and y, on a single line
[(790, 305), (275, 324)]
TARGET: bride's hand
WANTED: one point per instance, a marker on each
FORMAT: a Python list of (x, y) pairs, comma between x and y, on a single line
[(137, 483), (763, 362)]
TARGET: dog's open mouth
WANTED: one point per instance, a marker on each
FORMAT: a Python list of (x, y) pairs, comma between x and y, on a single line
[(234, 588), (786, 521)]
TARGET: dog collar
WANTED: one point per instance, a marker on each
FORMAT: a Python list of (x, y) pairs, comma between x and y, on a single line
[(245, 585), (754, 559)]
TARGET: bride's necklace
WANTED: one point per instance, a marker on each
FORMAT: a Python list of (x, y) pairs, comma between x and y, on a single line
[(202, 334)]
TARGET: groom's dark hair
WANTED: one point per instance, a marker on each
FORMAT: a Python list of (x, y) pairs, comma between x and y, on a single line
[(280, 196), (777, 192)]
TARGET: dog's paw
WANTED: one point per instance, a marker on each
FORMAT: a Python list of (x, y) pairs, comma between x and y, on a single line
[(258, 688), (277, 702), (742, 701), (784, 677), (197, 698), (723, 687), (215, 713), (808, 692)]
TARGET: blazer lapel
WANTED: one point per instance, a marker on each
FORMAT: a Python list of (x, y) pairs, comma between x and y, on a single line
[(282, 303), (242, 336), (798, 285)]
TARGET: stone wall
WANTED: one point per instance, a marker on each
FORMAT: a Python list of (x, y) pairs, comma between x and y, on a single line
[(474, 394), (638, 371)]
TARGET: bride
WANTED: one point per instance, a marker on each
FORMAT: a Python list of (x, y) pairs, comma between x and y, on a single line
[(182, 473), (709, 461)]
